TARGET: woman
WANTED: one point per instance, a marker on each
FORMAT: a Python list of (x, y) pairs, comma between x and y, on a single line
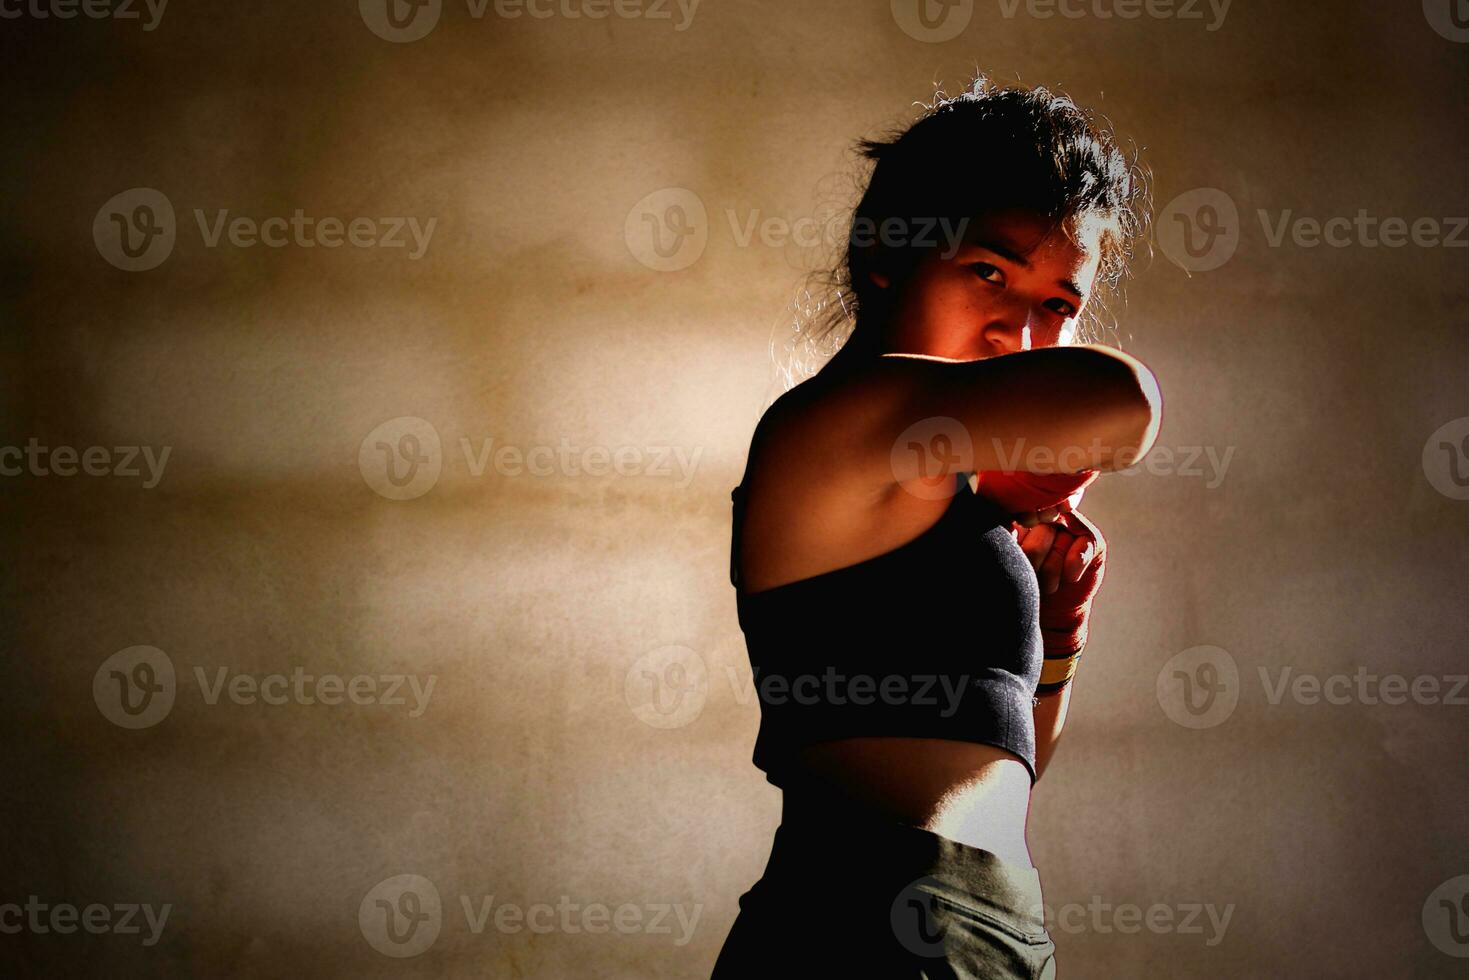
[(913, 578)]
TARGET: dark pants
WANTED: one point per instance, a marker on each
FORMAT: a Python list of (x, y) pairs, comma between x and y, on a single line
[(864, 897)]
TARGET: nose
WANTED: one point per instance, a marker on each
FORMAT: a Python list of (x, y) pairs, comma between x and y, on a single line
[(1009, 330)]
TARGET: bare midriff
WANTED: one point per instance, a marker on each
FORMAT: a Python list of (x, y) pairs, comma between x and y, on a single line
[(973, 793)]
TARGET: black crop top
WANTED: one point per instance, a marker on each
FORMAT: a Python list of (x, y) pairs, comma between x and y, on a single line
[(938, 638)]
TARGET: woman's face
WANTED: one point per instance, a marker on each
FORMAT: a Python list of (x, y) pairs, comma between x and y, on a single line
[(1008, 287)]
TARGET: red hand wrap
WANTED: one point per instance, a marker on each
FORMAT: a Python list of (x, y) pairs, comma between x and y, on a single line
[(1065, 613), (1020, 493)]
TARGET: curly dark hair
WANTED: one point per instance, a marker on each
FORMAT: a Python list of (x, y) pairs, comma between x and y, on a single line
[(986, 149)]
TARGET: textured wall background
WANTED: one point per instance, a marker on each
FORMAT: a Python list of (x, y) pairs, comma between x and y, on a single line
[(558, 757)]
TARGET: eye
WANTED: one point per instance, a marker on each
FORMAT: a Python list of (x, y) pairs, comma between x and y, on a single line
[(1062, 307), (987, 272)]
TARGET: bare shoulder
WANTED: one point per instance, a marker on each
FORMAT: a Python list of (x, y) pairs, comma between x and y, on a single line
[(813, 503), (804, 444)]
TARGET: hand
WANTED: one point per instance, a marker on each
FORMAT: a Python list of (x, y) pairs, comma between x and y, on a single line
[(1069, 555), (1060, 544), (1050, 515), (1031, 518)]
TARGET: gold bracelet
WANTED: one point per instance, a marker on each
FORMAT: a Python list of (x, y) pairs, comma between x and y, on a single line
[(1057, 671)]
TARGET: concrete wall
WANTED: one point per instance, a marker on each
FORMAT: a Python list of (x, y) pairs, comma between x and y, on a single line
[(545, 765)]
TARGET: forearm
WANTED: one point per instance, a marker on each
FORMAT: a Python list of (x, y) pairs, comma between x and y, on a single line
[(1050, 718)]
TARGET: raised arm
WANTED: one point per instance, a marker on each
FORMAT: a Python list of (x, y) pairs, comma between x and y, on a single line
[(832, 458), (1049, 410)]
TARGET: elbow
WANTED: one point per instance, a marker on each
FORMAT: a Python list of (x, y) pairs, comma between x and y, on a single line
[(1144, 417), (1134, 415)]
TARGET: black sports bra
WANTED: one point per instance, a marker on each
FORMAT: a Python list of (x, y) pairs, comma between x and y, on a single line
[(938, 638)]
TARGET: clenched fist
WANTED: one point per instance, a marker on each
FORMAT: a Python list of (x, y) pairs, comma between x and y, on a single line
[(1069, 555)]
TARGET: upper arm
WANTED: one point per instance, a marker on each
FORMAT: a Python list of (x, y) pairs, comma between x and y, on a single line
[(1048, 410)]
